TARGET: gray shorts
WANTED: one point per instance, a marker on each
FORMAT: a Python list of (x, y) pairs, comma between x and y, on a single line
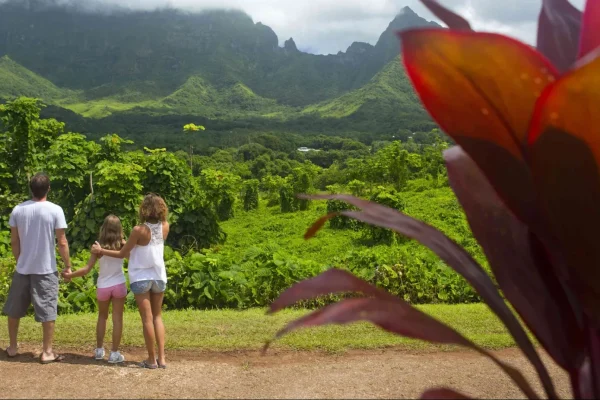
[(41, 290)]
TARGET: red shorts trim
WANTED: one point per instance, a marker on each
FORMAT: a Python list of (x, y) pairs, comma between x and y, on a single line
[(113, 292)]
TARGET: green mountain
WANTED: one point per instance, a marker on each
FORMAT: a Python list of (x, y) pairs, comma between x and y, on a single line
[(390, 91), (122, 66), (17, 80)]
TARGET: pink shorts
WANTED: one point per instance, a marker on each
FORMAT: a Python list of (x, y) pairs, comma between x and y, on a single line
[(116, 292)]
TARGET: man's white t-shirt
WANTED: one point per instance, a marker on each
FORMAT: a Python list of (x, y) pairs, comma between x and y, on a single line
[(36, 222)]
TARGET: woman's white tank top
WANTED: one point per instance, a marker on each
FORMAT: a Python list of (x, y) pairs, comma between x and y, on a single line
[(110, 272), (147, 263)]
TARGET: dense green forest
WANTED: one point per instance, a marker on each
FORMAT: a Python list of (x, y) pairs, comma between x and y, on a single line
[(237, 226)]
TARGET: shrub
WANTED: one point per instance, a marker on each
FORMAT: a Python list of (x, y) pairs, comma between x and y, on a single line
[(250, 194)]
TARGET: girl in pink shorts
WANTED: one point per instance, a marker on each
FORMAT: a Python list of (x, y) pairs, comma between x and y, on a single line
[(111, 287)]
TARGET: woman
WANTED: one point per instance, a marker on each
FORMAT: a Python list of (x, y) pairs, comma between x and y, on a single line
[(147, 274)]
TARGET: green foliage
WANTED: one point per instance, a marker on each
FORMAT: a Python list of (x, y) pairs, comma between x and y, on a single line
[(250, 194), (389, 198), (26, 137), (287, 199), (193, 128), (69, 165), (170, 178), (196, 227), (271, 186), (220, 190), (117, 190), (340, 221), (110, 149), (8, 201)]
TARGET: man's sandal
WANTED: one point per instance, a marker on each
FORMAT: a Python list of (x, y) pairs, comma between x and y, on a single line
[(8, 354)]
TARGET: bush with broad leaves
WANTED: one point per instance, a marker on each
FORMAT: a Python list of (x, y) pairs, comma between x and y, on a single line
[(526, 172)]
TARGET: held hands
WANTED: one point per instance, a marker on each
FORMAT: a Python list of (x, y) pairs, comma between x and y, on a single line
[(67, 274), (96, 249)]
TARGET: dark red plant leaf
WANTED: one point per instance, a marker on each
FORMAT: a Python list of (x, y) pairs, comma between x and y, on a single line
[(453, 20), (590, 29), (481, 88), (442, 393), (559, 29), (525, 275), (331, 281), (399, 317), (594, 370), (581, 381), (457, 258), (312, 231), (565, 154)]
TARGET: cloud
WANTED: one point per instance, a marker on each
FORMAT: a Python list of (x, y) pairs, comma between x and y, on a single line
[(328, 26)]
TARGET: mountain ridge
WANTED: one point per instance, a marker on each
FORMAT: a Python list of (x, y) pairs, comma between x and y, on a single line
[(218, 64)]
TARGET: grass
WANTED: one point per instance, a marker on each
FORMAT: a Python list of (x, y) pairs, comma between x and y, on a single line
[(285, 231), (105, 107), (230, 330)]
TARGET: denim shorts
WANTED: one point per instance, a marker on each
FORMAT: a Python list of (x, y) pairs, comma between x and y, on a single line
[(141, 287)]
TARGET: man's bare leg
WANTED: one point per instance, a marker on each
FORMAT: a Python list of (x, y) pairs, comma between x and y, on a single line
[(48, 329), (13, 331)]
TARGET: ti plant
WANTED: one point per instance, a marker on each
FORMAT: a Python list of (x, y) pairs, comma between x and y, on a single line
[(526, 172)]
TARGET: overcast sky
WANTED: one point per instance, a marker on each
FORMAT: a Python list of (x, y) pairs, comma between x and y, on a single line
[(327, 26)]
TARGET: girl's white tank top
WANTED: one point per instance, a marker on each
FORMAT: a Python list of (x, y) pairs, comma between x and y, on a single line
[(110, 272), (147, 263)]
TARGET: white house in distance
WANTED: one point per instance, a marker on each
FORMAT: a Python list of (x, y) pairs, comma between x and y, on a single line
[(306, 149)]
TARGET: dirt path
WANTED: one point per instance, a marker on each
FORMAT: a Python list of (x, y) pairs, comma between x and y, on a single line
[(357, 374)]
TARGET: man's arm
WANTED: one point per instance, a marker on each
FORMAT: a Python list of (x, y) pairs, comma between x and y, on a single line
[(63, 248), (15, 242)]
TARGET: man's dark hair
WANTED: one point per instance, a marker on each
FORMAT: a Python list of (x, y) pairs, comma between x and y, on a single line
[(39, 185)]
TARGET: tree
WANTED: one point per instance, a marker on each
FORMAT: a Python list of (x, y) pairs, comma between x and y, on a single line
[(250, 194), (26, 139), (68, 162), (192, 128), (220, 189), (168, 176)]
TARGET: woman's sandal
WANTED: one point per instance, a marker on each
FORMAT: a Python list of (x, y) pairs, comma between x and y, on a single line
[(161, 366), (144, 364)]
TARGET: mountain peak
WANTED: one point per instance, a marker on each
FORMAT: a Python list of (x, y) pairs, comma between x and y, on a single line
[(290, 45), (407, 10)]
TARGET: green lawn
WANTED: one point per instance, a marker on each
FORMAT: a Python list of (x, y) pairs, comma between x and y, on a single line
[(226, 330)]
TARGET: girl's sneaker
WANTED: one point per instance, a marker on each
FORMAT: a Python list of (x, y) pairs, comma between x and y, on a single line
[(99, 354), (116, 357)]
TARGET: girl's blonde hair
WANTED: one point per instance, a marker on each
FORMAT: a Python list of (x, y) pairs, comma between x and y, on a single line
[(153, 208), (111, 233)]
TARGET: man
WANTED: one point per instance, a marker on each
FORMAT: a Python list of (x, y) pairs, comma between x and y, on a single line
[(34, 225)]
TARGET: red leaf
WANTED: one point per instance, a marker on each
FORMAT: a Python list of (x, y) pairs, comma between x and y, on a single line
[(565, 154), (559, 29), (525, 276), (398, 317), (331, 281), (442, 393), (453, 255), (312, 231), (590, 30), (453, 20), (481, 88)]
